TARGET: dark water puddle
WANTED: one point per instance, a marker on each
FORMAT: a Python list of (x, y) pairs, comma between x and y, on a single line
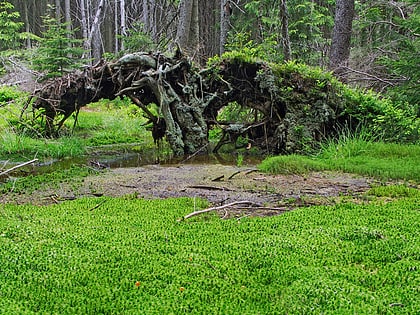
[(110, 157)]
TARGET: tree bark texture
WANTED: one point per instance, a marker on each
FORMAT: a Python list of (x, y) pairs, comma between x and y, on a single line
[(284, 15), (188, 32), (225, 12), (341, 37)]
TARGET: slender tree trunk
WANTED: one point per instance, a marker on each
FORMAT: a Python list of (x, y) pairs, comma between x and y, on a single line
[(84, 27), (122, 22), (57, 10), (67, 15), (83, 20), (341, 37), (145, 16), (209, 15), (284, 15), (185, 15), (194, 38), (225, 12), (94, 41), (188, 32), (116, 28), (27, 24)]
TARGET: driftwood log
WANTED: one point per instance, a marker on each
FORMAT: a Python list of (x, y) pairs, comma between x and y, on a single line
[(285, 111)]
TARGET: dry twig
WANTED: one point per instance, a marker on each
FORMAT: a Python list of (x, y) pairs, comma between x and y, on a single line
[(18, 166), (217, 208)]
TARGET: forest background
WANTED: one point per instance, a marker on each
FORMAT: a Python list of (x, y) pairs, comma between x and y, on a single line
[(382, 52), (113, 255)]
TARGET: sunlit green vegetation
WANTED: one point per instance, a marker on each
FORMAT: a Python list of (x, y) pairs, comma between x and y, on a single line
[(128, 255), (103, 123), (353, 154), (31, 183), (119, 256)]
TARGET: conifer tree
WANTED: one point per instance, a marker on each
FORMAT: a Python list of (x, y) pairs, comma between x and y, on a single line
[(59, 51), (9, 26)]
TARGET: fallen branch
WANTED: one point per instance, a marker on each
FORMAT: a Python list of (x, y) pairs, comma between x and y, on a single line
[(234, 174), (209, 187), (97, 205), (218, 179), (217, 208), (18, 166)]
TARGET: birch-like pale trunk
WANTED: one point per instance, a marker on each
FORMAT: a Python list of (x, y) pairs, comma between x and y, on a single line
[(116, 28), (224, 24), (84, 27), (122, 22), (93, 42)]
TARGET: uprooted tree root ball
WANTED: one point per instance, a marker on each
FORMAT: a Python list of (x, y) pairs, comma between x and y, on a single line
[(286, 110)]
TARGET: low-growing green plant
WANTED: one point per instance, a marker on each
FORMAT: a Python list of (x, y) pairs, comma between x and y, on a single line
[(119, 256), (353, 155), (290, 164), (31, 183), (104, 123), (8, 94), (394, 191)]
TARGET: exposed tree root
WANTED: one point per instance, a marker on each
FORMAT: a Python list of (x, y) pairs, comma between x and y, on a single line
[(285, 111)]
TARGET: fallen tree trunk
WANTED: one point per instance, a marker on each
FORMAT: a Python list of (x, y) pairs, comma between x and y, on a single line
[(284, 111)]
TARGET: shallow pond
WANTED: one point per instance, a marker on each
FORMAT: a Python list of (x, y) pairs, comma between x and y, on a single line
[(120, 156)]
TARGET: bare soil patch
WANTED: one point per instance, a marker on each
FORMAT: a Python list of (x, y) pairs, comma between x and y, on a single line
[(219, 184)]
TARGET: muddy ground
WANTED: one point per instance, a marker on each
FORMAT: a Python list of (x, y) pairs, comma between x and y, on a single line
[(219, 184)]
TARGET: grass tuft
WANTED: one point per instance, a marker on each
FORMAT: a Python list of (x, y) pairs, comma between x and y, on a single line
[(354, 154), (103, 123)]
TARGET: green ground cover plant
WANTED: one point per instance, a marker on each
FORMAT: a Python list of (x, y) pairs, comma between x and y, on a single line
[(31, 183), (103, 123), (353, 154), (125, 256)]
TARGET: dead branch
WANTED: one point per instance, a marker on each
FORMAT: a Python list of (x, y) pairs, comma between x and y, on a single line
[(18, 166), (209, 187), (251, 171), (218, 208), (234, 174), (97, 205), (218, 178), (370, 76)]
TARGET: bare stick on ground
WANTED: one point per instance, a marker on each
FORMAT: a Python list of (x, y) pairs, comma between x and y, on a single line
[(219, 208), (18, 166)]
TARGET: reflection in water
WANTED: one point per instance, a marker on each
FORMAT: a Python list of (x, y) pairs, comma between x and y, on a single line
[(117, 157)]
